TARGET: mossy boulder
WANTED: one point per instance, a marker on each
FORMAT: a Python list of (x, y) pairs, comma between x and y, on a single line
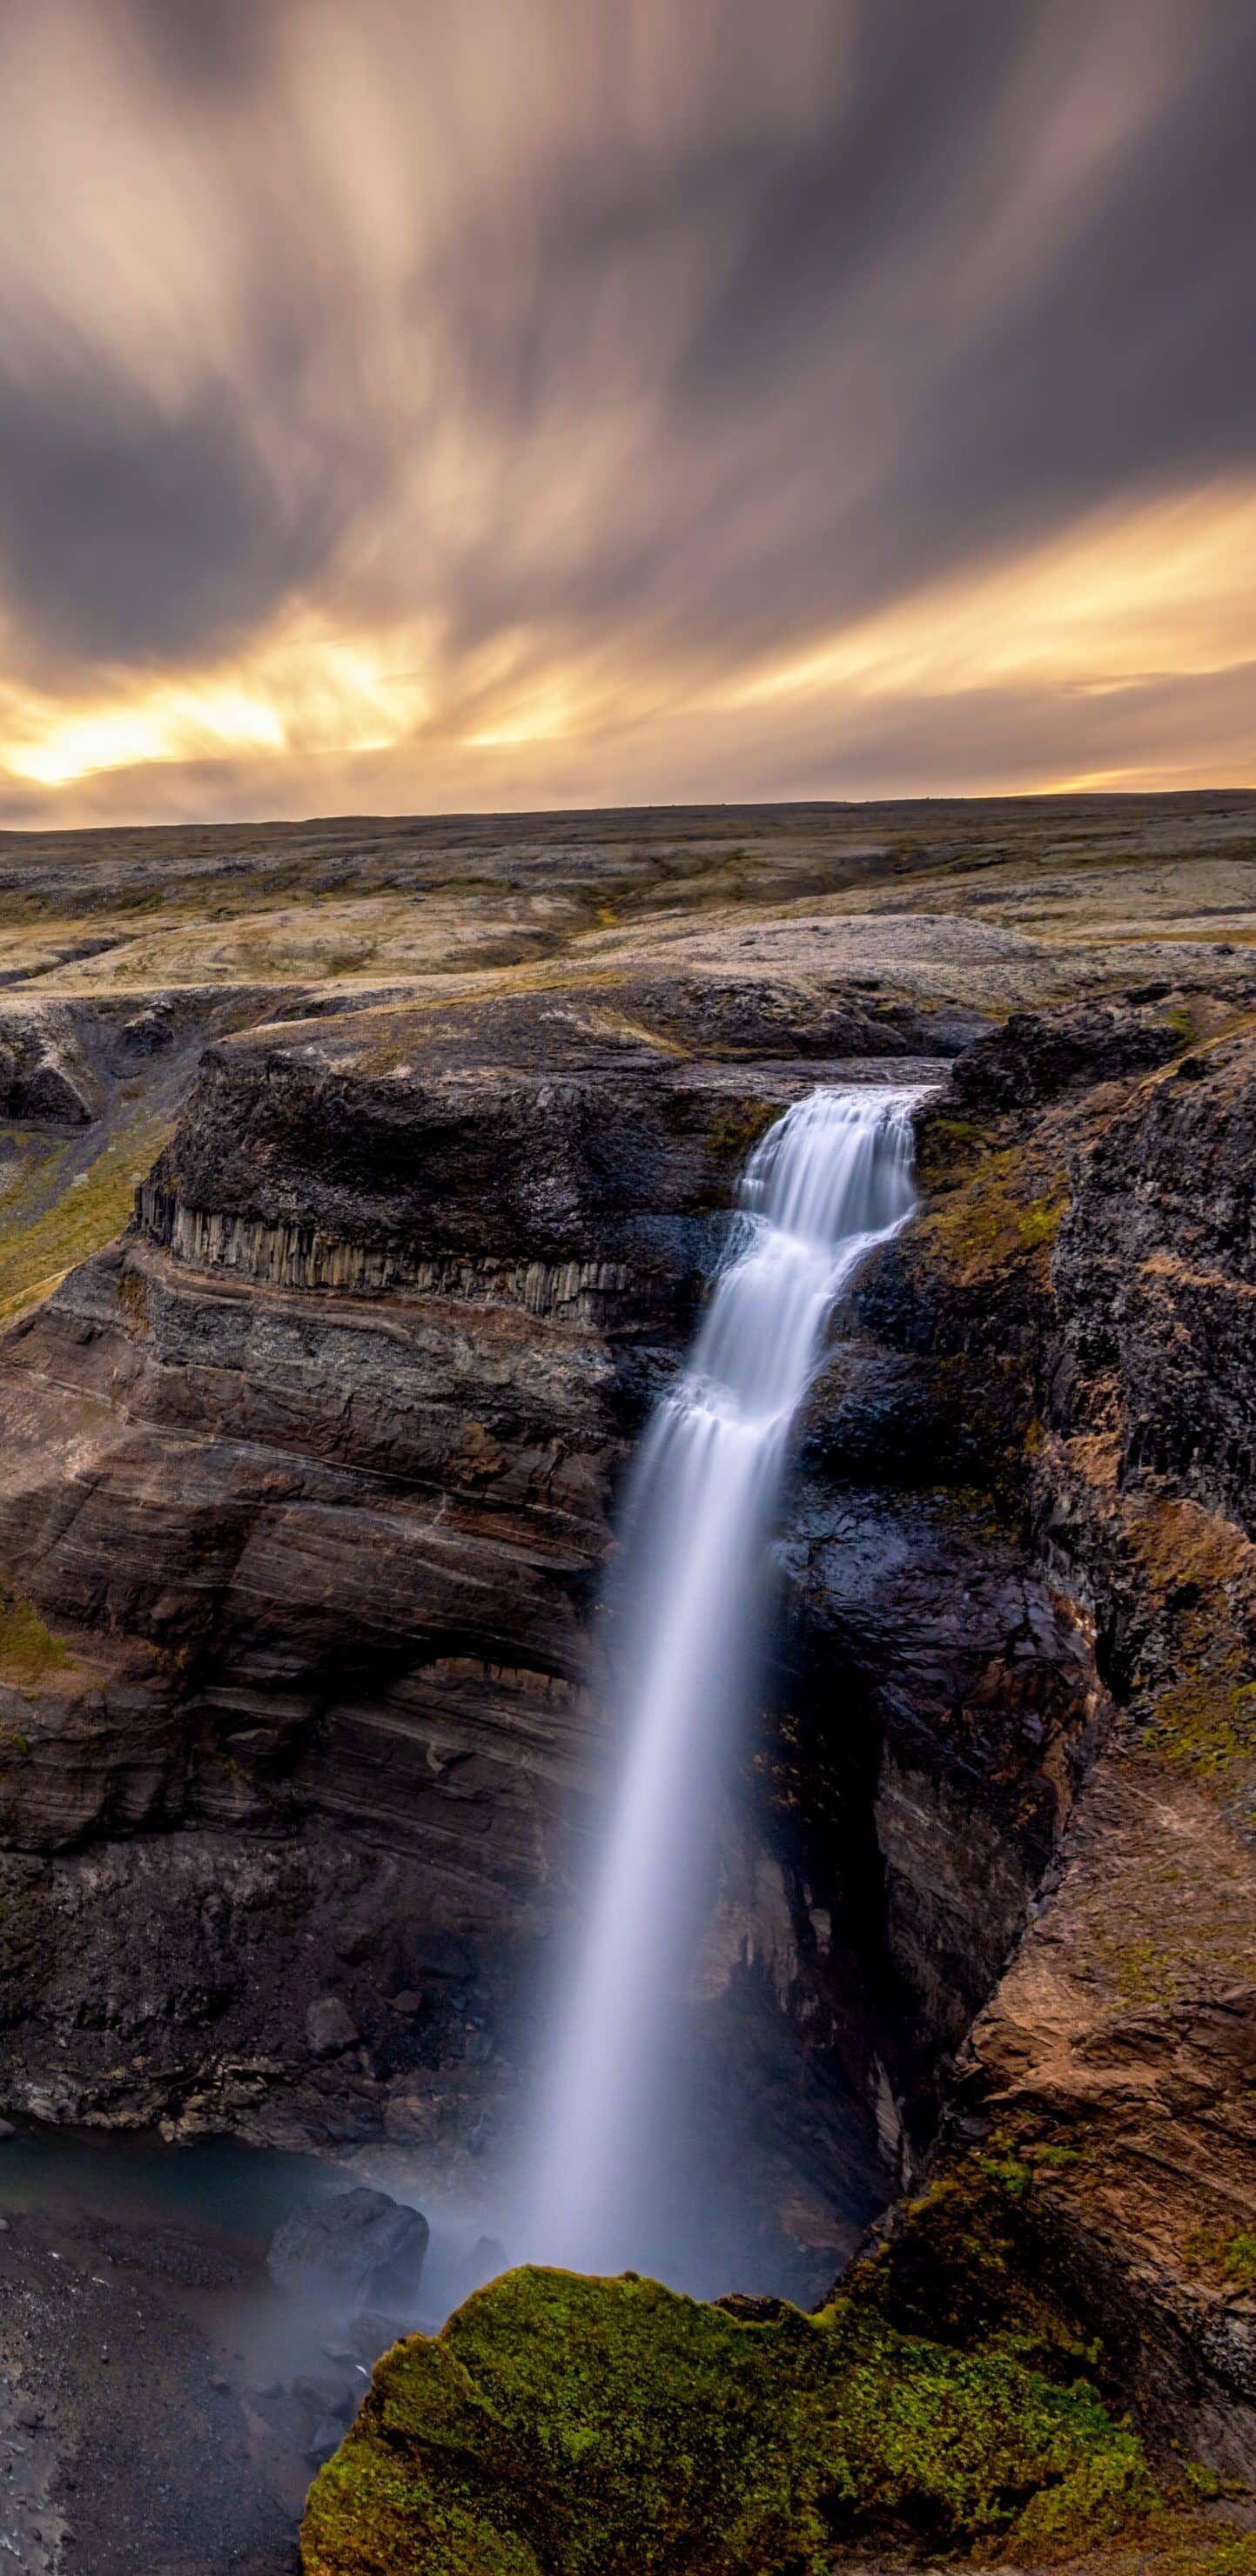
[(615, 2428)]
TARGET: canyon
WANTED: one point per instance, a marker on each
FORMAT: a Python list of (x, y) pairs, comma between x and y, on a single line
[(365, 1277)]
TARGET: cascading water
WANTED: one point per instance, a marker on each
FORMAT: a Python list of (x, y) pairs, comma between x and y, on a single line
[(830, 1180)]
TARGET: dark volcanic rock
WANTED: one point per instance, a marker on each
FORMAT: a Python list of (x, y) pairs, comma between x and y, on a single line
[(1078, 1296), (969, 1684), (552, 1154), (1037, 1056), (360, 2248)]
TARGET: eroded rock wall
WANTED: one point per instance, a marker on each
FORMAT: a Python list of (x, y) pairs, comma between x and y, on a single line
[(312, 1477), (1077, 1300)]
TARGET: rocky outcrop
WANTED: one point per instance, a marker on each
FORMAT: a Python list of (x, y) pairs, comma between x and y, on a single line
[(580, 2424), (63, 1059), (354, 2249), (1077, 1302), (45, 1072), (1119, 2055)]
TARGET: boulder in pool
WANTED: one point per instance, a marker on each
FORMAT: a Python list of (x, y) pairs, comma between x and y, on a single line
[(359, 2248)]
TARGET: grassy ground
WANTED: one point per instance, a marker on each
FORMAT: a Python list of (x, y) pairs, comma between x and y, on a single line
[(36, 1250), (362, 898)]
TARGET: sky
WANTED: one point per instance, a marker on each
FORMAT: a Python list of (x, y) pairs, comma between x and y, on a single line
[(483, 404)]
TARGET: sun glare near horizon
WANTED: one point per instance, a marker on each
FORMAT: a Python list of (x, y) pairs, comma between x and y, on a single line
[(1111, 607)]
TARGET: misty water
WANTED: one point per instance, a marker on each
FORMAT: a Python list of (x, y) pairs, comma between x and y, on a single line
[(619, 2173)]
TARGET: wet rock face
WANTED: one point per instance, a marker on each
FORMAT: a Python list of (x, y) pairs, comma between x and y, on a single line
[(932, 1656), (313, 1476)]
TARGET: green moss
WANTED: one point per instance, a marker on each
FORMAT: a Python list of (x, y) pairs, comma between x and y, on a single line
[(733, 1136), (35, 1255), (1233, 2556), (28, 1650), (1205, 1722), (947, 1150), (613, 2428), (1230, 2259), (1011, 2173), (1240, 2260), (1040, 1221), (1182, 1024), (992, 1218)]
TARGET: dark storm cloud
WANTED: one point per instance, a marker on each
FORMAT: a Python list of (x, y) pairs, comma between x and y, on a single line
[(128, 537), (685, 332), (209, 44)]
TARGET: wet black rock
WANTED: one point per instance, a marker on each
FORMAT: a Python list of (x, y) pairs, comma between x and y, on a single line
[(361, 2248), (1036, 1056)]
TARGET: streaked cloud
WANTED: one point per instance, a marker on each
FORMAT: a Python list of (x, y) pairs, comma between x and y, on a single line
[(479, 405)]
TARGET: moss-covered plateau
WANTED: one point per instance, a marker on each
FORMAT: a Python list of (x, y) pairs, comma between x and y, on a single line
[(614, 2428)]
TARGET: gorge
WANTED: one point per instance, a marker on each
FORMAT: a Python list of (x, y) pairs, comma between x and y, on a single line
[(312, 1467)]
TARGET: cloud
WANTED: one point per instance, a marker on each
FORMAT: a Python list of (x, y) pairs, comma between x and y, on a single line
[(126, 536), (208, 45), (527, 393)]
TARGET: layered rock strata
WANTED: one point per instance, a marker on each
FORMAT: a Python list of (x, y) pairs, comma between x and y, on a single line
[(1076, 1307), (311, 1479)]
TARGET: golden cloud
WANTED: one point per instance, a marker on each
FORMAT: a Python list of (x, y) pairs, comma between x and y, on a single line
[(1169, 587)]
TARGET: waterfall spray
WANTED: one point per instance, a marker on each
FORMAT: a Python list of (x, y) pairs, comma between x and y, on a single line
[(830, 1180)]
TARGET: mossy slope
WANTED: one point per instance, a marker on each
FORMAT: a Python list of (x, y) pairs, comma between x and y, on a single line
[(614, 2428)]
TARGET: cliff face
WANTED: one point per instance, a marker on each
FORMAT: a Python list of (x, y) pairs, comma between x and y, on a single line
[(310, 1479), (310, 1483), (1078, 1301)]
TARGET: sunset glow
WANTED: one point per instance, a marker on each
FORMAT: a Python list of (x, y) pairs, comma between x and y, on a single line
[(297, 697), (398, 413)]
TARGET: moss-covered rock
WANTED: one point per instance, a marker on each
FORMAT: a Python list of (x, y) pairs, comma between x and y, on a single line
[(960, 2262), (614, 2428), (28, 1649)]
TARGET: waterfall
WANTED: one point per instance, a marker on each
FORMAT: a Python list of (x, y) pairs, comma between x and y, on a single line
[(830, 1180)]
